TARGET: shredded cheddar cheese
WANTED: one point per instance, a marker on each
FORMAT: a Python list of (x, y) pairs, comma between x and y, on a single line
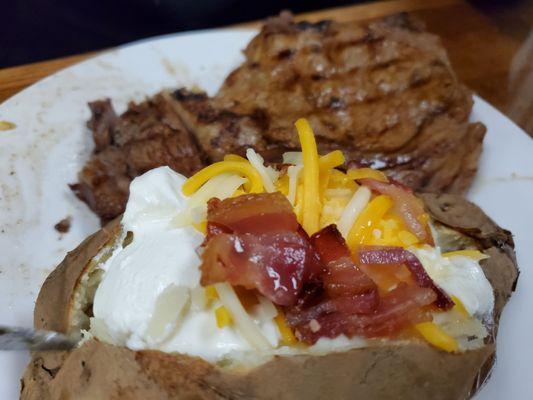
[(234, 157), (331, 160), (223, 317), (459, 307), (311, 201), (287, 335), (362, 229), (363, 173), (282, 184), (407, 238), (210, 294), (339, 179), (474, 254), (201, 227), (437, 337), (243, 168)]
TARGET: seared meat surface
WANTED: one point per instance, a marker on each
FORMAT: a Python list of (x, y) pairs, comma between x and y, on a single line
[(146, 136), (383, 92)]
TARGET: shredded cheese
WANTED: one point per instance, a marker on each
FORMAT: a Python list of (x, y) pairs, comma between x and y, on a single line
[(223, 317), (292, 157), (210, 294), (243, 322), (437, 337), (339, 179), (311, 200), (201, 177), (268, 175), (331, 160), (341, 192), (407, 238), (282, 185), (293, 172), (364, 173), (352, 210), (474, 254), (368, 220), (287, 335), (220, 186), (460, 308), (234, 157)]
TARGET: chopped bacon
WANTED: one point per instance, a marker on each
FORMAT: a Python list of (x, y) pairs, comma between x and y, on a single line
[(377, 255), (364, 303), (254, 241), (343, 277), (253, 213), (406, 205), (276, 264), (401, 308)]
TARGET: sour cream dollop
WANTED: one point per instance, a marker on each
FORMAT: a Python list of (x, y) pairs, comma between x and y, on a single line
[(144, 298), (459, 276)]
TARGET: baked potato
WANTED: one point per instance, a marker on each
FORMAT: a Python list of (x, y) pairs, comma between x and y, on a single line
[(401, 366)]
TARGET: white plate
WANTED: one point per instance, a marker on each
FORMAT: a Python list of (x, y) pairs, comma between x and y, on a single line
[(51, 143)]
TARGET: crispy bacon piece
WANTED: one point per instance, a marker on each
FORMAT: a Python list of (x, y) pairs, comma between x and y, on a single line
[(378, 255), (343, 277), (406, 205), (401, 308), (255, 241), (364, 303), (253, 213)]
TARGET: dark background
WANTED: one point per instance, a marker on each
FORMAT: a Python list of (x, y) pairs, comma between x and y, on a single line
[(35, 30)]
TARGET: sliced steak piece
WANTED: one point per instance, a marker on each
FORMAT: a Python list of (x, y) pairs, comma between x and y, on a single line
[(381, 91), (146, 136)]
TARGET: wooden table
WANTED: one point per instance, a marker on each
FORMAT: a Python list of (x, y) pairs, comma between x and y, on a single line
[(490, 59)]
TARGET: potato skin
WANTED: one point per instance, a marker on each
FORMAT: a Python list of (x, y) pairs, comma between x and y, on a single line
[(98, 370)]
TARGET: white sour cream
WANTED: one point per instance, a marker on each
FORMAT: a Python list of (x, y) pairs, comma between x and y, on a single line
[(459, 276), (144, 298)]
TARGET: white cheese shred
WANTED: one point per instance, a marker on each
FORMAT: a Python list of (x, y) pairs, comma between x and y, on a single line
[(244, 323), (352, 210), (221, 186), (269, 176), (293, 173), (293, 157)]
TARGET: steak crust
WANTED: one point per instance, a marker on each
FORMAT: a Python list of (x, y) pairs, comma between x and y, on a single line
[(146, 136), (382, 91)]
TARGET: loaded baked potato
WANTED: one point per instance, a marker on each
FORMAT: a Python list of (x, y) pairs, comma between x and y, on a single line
[(295, 282)]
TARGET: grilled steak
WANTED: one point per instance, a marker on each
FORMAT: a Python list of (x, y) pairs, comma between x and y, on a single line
[(382, 91), (146, 136)]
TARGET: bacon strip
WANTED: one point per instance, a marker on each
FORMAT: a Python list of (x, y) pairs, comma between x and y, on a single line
[(401, 308), (255, 241), (406, 205), (253, 213), (343, 277), (376, 255)]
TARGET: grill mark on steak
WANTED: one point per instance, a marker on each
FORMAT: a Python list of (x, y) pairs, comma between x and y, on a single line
[(382, 91)]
